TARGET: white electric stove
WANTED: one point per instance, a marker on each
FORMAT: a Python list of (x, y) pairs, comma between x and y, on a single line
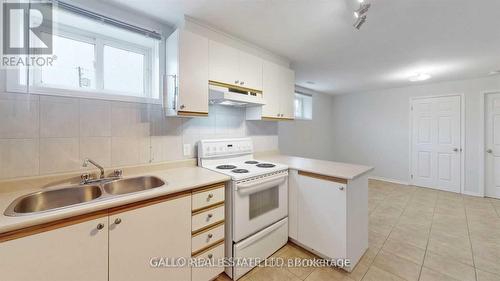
[(256, 200)]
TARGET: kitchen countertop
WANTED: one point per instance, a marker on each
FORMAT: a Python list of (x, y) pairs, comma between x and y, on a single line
[(176, 179), (320, 167)]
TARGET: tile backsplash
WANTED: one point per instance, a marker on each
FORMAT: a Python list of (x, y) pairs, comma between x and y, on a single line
[(47, 134)]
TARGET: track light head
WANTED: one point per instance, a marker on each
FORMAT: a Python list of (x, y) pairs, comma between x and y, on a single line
[(359, 22), (362, 10)]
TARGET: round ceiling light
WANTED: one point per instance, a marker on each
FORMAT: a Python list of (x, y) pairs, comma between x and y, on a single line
[(420, 77)]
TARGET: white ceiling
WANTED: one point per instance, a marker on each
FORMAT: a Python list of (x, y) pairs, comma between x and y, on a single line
[(449, 39)]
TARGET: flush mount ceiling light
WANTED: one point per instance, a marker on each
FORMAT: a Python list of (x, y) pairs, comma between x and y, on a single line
[(362, 10), (420, 77)]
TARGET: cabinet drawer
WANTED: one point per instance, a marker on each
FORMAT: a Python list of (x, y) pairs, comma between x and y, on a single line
[(207, 198), (206, 218), (207, 238), (214, 254)]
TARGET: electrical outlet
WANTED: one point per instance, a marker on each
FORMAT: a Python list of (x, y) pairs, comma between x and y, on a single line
[(187, 149)]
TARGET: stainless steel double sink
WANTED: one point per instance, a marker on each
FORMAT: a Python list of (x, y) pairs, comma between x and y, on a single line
[(68, 196)]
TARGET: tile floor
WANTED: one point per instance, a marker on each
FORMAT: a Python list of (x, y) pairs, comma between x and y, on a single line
[(414, 234)]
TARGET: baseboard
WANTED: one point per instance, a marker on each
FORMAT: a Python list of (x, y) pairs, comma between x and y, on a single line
[(472, 194), (389, 180)]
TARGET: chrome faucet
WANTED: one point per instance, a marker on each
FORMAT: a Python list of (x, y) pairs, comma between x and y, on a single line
[(86, 164)]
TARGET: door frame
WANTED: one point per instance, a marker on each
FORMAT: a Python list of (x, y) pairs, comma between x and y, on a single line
[(482, 140), (462, 136)]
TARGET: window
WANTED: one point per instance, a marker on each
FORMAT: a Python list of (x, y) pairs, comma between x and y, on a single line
[(98, 60), (303, 106)]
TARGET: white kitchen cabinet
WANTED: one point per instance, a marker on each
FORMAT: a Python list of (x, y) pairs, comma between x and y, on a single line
[(329, 216), (186, 81), (77, 252), (278, 91), (159, 230), (231, 66)]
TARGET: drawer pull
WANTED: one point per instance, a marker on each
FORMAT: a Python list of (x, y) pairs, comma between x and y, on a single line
[(210, 256), (210, 216), (210, 196), (100, 226), (210, 235)]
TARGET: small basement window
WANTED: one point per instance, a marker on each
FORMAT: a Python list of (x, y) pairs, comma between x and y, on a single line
[(303, 106), (97, 58)]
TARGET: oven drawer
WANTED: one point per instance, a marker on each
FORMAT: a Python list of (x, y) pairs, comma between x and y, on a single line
[(215, 254), (207, 198), (206, 218), (207, 238)]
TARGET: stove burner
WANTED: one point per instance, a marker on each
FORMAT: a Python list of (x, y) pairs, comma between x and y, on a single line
[(226, 167), (265, 165), (251, 162), (240, 171)]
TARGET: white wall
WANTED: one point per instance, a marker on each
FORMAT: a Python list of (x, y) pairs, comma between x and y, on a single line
[(372, 127), (310, 138)]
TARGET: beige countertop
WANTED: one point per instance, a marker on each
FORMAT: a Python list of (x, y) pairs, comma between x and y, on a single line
[(320, 167), (177, 180)]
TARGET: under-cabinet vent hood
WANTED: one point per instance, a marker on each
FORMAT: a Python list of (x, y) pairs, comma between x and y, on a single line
[(234, 96)]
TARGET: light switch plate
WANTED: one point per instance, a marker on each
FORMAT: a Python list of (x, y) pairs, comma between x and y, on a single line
[(187, 149)]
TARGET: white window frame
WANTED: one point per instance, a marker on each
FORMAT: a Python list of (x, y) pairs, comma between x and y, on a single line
[(99, 41), (302, 105)]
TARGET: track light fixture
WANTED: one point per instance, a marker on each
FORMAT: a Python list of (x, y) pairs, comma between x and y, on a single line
[(361, 13)]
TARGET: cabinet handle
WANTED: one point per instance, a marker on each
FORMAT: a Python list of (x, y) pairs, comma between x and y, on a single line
[(100, 226), (210, 235), (210, 196), (237, 82), (490, 151), (182, 106), (242, 83), (210, 256), (341, 188), (118, 221)]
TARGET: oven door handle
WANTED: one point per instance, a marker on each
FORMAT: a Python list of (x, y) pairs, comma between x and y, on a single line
[(258, 185)]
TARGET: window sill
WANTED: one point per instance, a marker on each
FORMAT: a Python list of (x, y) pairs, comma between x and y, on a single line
[(88, 95)]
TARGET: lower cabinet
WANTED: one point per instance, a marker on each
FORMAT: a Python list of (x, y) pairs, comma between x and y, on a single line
[(137, 236), (329, 215), (74, 253), (134, 242)]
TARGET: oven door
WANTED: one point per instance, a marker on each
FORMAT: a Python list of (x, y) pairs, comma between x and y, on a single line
[(259, 203)]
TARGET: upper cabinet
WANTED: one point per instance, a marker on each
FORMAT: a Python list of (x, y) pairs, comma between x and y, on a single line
[(278, 89), (186, 81), (231, 66)]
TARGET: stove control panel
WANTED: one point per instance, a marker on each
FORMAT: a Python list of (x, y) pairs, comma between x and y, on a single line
[(224, 147)]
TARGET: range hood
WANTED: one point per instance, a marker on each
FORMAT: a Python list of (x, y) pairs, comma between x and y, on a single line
[(229, 95)]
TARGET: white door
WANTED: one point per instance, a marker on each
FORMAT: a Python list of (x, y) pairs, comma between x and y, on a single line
[(436, 143), (493, 145)]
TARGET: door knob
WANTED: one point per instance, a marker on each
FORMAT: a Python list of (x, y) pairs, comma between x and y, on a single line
[(489, 151), (455, 149)]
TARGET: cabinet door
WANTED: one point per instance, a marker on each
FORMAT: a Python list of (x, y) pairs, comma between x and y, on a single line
[(271, 89), (250, 71), (137, 236), (322, 216), (76, 252), (293, 204), (288, 93), (193, 73), (223, 63)]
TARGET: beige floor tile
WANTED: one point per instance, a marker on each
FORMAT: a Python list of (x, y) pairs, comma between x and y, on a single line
[(486, 256), (271, 274), (401, 267), (456, 251), (291, 252), (327, 274), (363, 265), (404, 250), (377, 274), (486, 276), (449, 267), (431, 275), (376, 240), (412, 235)]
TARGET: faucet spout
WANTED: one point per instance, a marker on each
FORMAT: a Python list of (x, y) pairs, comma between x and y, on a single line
[(86, 164)]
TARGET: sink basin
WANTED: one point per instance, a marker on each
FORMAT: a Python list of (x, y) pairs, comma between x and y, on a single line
[(49, 200), (130, 185)]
